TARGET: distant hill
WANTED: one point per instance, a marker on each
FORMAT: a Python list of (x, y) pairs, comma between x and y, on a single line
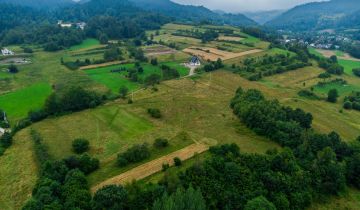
[(263, 17), (192, 13), (40, 4), (315, 16)]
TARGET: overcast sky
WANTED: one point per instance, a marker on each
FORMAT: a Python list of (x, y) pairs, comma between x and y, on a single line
[(245, 5)]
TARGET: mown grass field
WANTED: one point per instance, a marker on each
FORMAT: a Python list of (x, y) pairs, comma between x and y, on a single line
[(115, 80), (197, 110), (87, 43), (18, 173), (17, 104), (286, 86), (349, 66)]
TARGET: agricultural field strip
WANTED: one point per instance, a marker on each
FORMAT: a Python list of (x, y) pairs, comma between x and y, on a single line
[(329, 53), (214, 54), (154, 166), (102, 65)]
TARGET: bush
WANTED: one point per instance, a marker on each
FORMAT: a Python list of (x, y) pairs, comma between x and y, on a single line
[(308, 94), (161, 143), (165, 166), (324, 75), (13, 69), (154, 62), (347, 105), (84, 163), (6, 140), (80, 145), (37, 115), (2, 150), (356, 72), (177, 161), (155, 113), (134, 154), (332, 96)]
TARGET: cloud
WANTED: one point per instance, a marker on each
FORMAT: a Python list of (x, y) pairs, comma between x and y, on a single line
[(245, 5)]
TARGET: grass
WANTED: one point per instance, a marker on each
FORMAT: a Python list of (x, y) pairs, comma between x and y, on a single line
[(342, 89), (285, 87), (349, 66), (18, 171), (17, 104), (116, 80), (349, 200), (188, 107), (87, 43)]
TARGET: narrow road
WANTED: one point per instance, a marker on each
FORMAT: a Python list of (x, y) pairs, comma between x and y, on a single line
[(153, 167)]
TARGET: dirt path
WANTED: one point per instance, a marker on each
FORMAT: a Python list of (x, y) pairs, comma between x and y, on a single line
[(154, 166), (102, 65)]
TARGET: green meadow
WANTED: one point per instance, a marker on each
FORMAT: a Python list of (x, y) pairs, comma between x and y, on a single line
[(115, 80), (17, 104), (349, 65), (87, 43)]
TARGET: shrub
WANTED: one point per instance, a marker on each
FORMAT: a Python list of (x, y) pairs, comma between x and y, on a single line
[(2, 150), (111, 197), (356, 106), (324, 75), (177, 161), (134, 154), (155, 113), (123, 91), (6, 140), (165, 166), (347, 105), (308, 94), (356, 72), (154, 62), (37, 115), (80, 145), (84, 163), (13, 69), (332, 96), (161, 143)]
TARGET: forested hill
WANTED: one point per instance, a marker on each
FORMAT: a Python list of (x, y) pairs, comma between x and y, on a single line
[(192, 13), (318, 15), (40, 4)]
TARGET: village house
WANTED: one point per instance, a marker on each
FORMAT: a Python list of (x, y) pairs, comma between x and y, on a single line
[(194, 61), (6, 52), (79, 25), (64, 25)]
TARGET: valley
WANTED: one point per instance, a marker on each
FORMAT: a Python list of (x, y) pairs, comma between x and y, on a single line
[(128, 112)]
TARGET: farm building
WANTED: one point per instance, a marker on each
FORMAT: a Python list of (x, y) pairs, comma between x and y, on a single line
[(6, 52), (64, 25), (195, 61)]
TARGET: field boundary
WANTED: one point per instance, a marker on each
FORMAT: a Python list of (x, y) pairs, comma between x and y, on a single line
[(153, 166)]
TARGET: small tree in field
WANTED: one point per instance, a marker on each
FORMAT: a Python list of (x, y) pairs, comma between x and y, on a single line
[(123, 91), (333, 95), (161, 143), (177, 161), (13, 69), (80, 145)]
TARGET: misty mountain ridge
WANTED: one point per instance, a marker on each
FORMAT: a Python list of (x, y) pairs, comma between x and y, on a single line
[(316, 16)]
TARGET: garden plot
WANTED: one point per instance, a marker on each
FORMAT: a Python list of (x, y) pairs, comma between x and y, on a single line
[(157, 50)]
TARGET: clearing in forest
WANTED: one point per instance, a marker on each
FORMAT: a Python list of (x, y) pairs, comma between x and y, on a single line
[(154, 166)]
